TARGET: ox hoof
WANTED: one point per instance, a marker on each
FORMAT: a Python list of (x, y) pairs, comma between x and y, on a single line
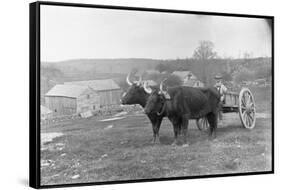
[(215, 140), (185, 145), (212, 138), (157, 142)]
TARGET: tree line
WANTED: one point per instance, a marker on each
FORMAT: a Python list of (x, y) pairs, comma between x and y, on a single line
[(206, 63)]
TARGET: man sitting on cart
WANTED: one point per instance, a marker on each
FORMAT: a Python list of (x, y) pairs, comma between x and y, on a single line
[(222, 90), (220, 87)]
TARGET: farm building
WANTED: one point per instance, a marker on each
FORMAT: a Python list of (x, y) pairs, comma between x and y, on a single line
[(188, 78), (45, 112), (108, 91), (193, 83), (150, 82), (71, 99), (45, 85)]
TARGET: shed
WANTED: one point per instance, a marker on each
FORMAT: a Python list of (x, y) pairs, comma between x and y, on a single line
[(108, 91), (65, 99)]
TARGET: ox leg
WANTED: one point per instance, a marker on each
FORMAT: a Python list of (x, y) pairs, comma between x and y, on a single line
[(176, 133), (176, 124), (154, 133), (212, 119), (184, 130), (156, 122), (157, 127), (153, 122)]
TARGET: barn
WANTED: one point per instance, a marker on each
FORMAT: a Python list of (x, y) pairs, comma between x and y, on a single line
[(45, 112), (71, 99), (108, 91)]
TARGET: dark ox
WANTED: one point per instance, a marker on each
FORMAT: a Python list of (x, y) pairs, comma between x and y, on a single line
[(182, 103), (137, 95)]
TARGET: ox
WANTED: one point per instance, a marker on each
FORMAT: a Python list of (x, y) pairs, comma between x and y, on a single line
[(137, 95), (182, 103)]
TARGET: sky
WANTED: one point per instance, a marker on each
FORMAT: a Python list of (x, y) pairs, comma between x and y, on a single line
[(84, 33)]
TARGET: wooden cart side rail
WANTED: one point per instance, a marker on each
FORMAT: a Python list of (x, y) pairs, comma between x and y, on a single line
[(231, 99), (232, 93)]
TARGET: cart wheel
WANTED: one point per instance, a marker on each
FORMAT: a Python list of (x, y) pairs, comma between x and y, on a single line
[(202, 124), (247, 109)]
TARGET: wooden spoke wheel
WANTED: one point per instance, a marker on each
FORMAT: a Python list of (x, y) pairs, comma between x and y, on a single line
[(202, 124), (247, 109)]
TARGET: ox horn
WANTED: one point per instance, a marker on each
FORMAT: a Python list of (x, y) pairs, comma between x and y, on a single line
[(161, 86), (147, 89), (128, 80)]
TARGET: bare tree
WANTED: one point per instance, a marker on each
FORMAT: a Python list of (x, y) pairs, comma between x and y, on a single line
[(204, 52)]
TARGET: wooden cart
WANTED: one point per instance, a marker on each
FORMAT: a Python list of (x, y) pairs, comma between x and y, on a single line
[(242, 103)]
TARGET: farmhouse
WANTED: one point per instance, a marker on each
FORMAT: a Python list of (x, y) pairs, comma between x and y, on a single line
[(188, 78), (71, 99), (108, 91)]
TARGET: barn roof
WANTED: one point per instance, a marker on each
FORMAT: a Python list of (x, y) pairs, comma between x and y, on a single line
[(66, 90), (97, 85)]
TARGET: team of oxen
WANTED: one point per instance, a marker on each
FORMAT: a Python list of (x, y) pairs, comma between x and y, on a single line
[(179, 104)]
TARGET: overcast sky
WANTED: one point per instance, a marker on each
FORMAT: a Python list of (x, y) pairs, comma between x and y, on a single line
[(75, 33)]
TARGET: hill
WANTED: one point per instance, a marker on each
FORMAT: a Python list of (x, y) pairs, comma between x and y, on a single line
[(121, 66)]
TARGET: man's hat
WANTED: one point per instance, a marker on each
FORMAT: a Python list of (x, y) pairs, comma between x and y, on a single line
[(218, 77)]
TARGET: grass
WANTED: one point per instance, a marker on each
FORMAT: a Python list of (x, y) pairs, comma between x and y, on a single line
[(92, 152)]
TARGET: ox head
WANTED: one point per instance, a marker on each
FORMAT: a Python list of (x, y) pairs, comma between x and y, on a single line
[(135, 93), (156, 101)]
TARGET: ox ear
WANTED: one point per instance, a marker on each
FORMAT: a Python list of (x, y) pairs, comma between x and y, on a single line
[(165, 94), (124, 94)]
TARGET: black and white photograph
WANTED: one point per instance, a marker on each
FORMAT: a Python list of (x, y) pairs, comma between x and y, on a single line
[(141, 94)]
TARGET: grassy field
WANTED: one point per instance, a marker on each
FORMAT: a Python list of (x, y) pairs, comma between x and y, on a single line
[(90, 150)]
